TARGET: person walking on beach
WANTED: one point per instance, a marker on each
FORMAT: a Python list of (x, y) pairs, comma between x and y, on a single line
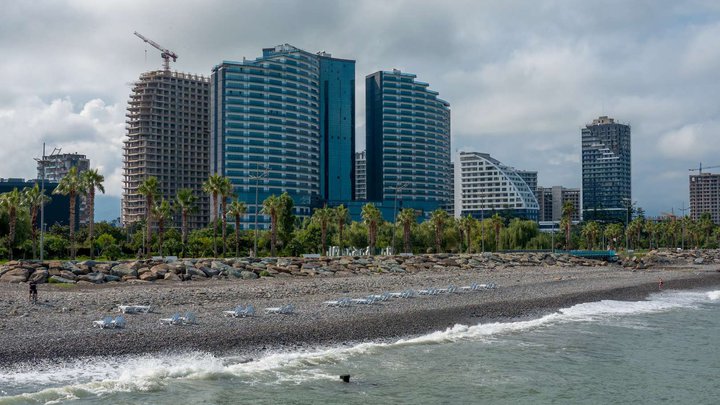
[(661, 284), (32, 297)]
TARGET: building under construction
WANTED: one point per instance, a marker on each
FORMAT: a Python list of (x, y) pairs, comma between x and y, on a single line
[(168, 136), (705, 196)]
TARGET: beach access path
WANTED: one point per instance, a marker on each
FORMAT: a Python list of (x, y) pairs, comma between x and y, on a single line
[(60, 325)]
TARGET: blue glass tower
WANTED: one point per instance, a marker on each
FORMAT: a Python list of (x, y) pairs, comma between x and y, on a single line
[(283, 121), (408, 142)]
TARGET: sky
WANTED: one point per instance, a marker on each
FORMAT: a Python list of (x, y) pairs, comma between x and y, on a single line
[(522, 77)]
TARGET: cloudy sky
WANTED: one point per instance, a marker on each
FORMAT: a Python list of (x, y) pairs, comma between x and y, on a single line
[(522, 77)]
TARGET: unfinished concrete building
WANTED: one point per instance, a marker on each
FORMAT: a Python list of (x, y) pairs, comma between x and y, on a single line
[(705, 196), (168, 136)]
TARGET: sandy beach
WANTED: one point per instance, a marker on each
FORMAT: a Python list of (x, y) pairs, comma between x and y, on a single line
[(60, 325)]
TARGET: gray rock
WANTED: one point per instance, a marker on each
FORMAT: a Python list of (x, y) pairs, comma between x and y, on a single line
[(110, 277), (69, 266), (211, 272), (195, 272), (124, 269), (39, 276), (699, 260), (169, 276), (248, 275), (219, 266), (92, 277), (148, 276), (58, 279)]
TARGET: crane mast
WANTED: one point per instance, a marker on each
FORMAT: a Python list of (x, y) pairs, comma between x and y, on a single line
[(165, 53)]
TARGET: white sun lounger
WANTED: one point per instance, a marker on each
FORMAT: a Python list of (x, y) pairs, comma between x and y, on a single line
[(173, 320), (429, 291), (363, 301), (450, 289), (105, 323), (188, 319), (118, 322), (380, 297), (488, 286), (285, 309), (241, 312), (471, 287), (134, 309), (342, 302)]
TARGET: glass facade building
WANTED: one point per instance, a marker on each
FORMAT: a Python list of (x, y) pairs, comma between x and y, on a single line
[(285, 118), (606, 183), (408, 142)]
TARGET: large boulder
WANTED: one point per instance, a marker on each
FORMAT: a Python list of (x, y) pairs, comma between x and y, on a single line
[(16, 275), (124, 269), (61, 280), (70, 266), (67, 274), (195, 272), (248, 275), (96, 278), (110, 277), (4, 269), (169, 276), (210, 271), (160, 269), (220, 266), (39, 276), (148, 276)]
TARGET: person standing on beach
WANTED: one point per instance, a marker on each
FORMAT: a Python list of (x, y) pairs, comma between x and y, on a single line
[(661, 284), (32, 291)]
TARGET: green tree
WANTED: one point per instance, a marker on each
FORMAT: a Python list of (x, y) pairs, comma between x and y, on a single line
[(568, 210), (613, 232), (590, 232), (286, 219), (72, 186), (34, 199), (213, 187), (407, 218), (272, 206), (633, 232), (323, 217), (185, 202), (706, 226), (226, 191), (652, 229), (91, 181), (372, 218), (341, 216), (148, 189), (439, 219), (162, 212), (497, 225), (12, 202), (236, 210)]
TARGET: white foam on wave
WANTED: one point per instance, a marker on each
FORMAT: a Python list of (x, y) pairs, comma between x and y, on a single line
[(101, 376)]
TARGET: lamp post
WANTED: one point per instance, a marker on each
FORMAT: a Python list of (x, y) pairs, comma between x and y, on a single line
[(257, 178), (43, 161), (682, 238), (398, 188)]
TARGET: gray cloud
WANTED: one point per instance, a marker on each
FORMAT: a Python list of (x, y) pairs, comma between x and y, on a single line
[(522, 77)]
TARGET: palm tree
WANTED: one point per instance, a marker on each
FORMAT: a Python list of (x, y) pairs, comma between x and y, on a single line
[(185, 202), (497, 224), (71, 185), (226, 191), (12, 202), (272, 207), (148, 189), (213, 186), (652, 228), (236, 210), (467, 223), (92, 180), (439, 218), (568, 210), (372, 217), (162, 212), (323, 216), (590, 232), (407, 218), (34, 199), (341, 216)]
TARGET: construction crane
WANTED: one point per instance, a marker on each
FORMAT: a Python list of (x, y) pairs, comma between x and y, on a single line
[(166, 53), (700, 167)]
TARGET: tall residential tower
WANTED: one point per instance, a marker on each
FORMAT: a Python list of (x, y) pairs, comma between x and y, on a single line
[(167, 137), (606, 186), (408, 142)]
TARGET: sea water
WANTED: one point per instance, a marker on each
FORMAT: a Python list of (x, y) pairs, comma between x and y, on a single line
[(659, 350)]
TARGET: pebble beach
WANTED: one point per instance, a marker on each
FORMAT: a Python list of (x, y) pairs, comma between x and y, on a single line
[(60, 324)]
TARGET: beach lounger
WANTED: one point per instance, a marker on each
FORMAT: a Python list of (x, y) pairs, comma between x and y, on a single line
[(471, 287), (403, 294), (450, 289), (241, 312), (428, 291), (174, 320), (363, 301), (188, 319), (105, 323), (119, 322), (381, 297), (134, 309), (342, 302), (488, 286), (285, 309)]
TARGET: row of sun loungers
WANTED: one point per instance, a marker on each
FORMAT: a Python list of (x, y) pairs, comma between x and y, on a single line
[(241, 311), (177, 319), (285, 309), (134, 309), (410, 293)]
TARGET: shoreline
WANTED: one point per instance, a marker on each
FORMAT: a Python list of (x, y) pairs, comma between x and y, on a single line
[(60, 326)]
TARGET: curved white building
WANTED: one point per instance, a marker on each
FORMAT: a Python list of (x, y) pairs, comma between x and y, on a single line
[(484, 186)]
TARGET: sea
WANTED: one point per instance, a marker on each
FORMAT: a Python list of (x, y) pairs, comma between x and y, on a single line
[(660, 350)]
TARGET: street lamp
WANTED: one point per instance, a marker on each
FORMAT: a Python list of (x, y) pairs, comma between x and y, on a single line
[(43, 161), (398, 188), (259, 175), (683, 209)]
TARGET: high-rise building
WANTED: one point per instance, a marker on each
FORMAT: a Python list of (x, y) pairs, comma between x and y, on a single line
[(606, 184), (287, 116), (705, 196), (530, 178), (484, 187), (168, 137), (57, 166), (360, 176), (408, 141), (552, 199)]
